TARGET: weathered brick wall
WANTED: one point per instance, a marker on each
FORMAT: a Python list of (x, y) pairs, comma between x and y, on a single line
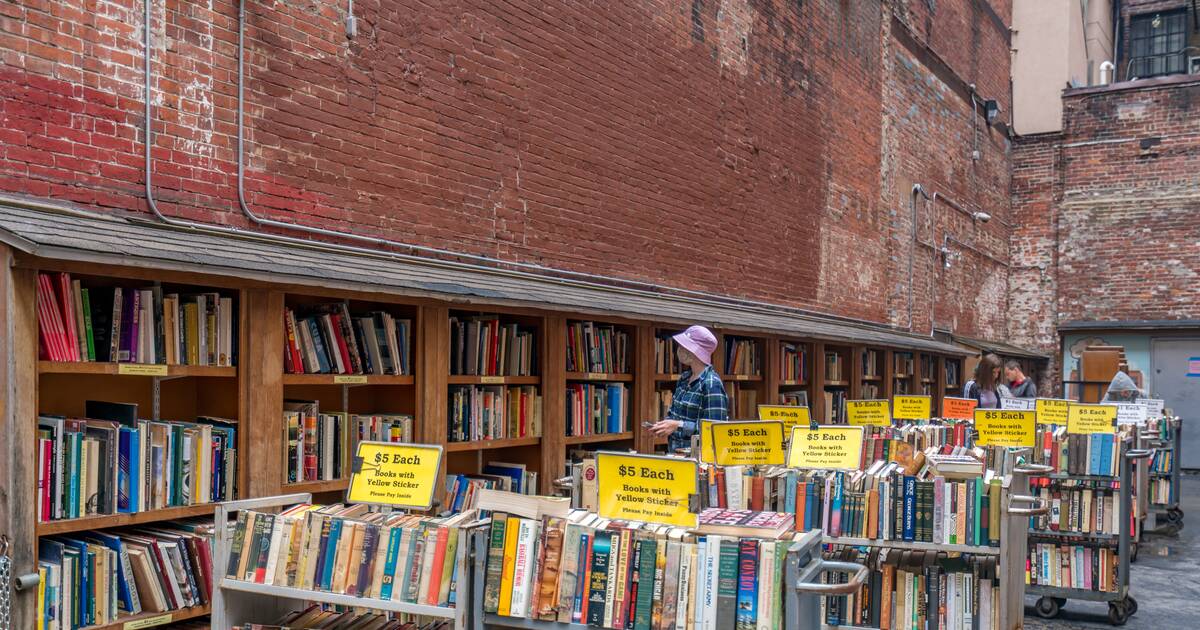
[(760, 149)]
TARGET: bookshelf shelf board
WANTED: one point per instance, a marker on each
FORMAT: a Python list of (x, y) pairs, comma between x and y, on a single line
[(752, 378), (73, 367), (667, 377), (916, 546), (872, 377), (1075, 593), (926, 380), (792, 383), (599, 376), (317, 487), (598, 437), (1160, 475), (118, 520), (481, 445), (492, 620), (899, 375), (837, 383), (348, 379), (1069, 477), (459, 379), (159, 619), (1092, 537), (336, 598)]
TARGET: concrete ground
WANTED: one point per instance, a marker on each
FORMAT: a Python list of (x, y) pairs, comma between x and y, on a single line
[(1165, 580)]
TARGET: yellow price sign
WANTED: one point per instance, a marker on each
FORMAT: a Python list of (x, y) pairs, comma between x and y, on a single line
[(912, 407), (350, 379), (395, 474), (1005, 427), (789, 415), (1051, 410), (748, 443), (648, 488), (868, 413), (826, 447), (1087, 419), (141, 369)]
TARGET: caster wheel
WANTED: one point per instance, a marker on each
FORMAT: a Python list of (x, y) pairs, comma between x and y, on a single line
[(1131, 605), (1047, 607), (1175, 515), (1117, 613)]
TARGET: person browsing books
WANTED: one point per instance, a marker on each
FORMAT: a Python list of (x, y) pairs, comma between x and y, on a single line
[(986, 388), (699, 394), (1020, 385)]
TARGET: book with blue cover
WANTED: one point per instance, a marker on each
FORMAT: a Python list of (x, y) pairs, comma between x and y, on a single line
[(747, 584), (910, 507)]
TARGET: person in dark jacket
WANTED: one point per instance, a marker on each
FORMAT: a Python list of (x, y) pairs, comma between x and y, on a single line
[(1020, 385)]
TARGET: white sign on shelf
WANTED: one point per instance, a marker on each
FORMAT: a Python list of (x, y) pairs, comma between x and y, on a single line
[(1018, 404), (1154, 406), (1129, 412)]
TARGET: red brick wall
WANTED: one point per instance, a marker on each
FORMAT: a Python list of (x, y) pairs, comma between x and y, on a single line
[(738, 147)]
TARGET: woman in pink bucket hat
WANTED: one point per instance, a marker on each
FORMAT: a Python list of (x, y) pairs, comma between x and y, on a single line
[(699, 394)]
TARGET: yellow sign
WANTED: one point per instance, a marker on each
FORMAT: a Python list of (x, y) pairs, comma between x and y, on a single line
[(1051, 410), (790, 416), (1086, 419), (741, 377), (350, 379), (912, 407), (1003, 427), (958, 408), (491, 380), (868, 413), (141, 369), (748, 443), (597, 376), (646, 488), (826, 447), (395, 474), (706, 445), (148, 622)]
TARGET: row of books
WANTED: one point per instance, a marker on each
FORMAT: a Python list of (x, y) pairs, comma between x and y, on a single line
[(317, 617), (1160, 492), (743, 400), (794, 398), (917, 590), (484, 412), (463, 490), (834, 401), (1072, 566), (96, 578), (320, 445), (902, 364), (952, 374), (665, 359), (1162, 461), (928, 366), (483, 346), (664, 397), (88, 466), (1082, 510), (596, 408), (834, 367), (348, 550), (1094, 454), (133, 325), (329, 340), (870, 364), (610, 574), (870, 391), (793, 362), (595, 348), (743, 356)]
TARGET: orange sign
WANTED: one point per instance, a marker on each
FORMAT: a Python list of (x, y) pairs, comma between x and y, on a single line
[(958, 408)]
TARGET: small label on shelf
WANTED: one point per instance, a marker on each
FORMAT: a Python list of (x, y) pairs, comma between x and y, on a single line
[(1018, 404), (748, 443), (866, 413), (491, 380), (1052, 410), (741, 377), (911, 407), (395, 474), (789, 415), (141, 369), (1088, 419), (597, 376), (836, 447), (1006, 427), (1130, 412), (646, 488), (148, 622), (958, 408), (350, 379)]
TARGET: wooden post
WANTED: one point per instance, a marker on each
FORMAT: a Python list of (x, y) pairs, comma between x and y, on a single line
[(432, 374), (261, 372), (816, 403), (771, 372), (855, 369), (18, 414), (554, 390), (645, 393)]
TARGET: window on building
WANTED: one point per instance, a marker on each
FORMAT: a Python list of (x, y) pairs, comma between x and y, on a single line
[(1156, 44)]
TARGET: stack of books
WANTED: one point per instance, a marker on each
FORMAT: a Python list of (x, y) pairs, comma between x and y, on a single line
[(92, 467), (1084, 567), (318, 444), (912, 590), (383, 427), (615, 574), (1079, 508), (870, 363), (350, 551), (797, 399), (493, 413), (902, 364), (665, 359), (133, 325), (594, 348), (833, 367), (96, 578), (596, 408), (463, 490), (743, 357), (793, 362), (1095, 454), (329, 340), (482, 346)]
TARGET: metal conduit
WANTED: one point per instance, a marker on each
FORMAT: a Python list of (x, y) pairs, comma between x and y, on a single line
[(494, 266)]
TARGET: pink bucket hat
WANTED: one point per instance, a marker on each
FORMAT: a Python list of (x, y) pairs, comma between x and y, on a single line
[(699, 341)]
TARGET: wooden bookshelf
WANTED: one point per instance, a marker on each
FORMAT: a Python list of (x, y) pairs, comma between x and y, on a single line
[(836, 378), (575, 440), (460, 379), (485, 445), (152, 620), (599, 376), (128, 369), (67, 526), (318, 487), (871, 372), (349, 379)]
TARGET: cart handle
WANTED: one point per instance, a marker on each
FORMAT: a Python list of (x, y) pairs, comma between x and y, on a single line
[(1140, 453), (563, 483), (860, 575), (1033, 469), (1042, 506)]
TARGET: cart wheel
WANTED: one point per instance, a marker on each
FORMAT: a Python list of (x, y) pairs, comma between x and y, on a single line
[(1131, 605), (1117, 613), (1171, 529), (1175, 515), (1047, 607)]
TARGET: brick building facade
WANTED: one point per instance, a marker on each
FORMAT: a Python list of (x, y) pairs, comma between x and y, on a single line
[(764, 150)]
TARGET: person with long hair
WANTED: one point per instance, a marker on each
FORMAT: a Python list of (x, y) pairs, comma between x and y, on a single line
[(987, 388)]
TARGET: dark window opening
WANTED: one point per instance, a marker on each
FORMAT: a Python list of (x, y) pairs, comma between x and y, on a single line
[(1157, 43)]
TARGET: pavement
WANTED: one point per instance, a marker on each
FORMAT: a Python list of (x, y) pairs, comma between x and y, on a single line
[(1165, 580)]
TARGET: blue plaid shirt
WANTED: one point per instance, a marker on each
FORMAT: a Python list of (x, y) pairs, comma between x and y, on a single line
[(702, 399)]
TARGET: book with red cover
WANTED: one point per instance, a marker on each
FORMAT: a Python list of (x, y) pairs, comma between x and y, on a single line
[(67, 307), (439, 557), (47, 331), (335, 322), (756, 493), (745, 523)]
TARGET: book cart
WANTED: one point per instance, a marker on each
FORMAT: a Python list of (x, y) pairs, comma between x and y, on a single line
[(1163, 438), (236, 602), (1121, 605)]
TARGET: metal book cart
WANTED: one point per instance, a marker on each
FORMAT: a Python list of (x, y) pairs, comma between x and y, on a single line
[(802, 596), (236, 602), (1166, 441), (1121, 605)]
